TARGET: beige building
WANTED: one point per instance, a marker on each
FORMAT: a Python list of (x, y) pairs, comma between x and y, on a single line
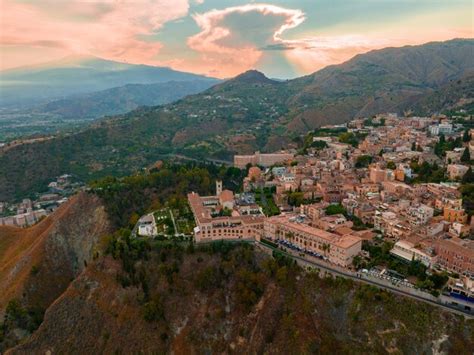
[(338, 249), (265, 160), (213, 222), (457, 171)]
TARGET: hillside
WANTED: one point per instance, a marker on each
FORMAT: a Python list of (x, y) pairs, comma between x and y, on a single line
[(223, 298), (37, 264), (244, 114), (122, 99), (391, 79), (77, 111)]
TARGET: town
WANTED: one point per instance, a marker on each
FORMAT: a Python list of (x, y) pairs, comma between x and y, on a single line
[(380, 195), (388, 198), (29, 212)]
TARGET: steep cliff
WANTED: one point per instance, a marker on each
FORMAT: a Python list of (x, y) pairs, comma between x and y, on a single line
[(234, 300), (37, 264)]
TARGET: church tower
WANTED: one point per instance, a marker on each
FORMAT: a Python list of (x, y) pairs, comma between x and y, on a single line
[(218, 187)]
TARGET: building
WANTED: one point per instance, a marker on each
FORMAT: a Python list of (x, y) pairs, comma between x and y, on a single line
[(147, 226), (377, 174), (408, 251), (455, 214), (456, 255), (221, 217), (338, 249), (457, 171), (314, 211), (442, 128), (331, 223), (262, 159), (24, 219), (419, 215)]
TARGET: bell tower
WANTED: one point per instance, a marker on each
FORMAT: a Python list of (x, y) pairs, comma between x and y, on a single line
[(218, 187)]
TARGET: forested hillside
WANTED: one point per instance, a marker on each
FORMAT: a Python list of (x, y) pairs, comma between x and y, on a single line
[(244, 114)]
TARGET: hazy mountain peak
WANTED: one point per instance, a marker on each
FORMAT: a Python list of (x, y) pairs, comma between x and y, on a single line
[(253, 76)]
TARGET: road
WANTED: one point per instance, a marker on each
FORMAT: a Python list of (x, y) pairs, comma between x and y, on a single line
[(361, 278)]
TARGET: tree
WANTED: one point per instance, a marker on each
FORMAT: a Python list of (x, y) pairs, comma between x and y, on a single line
[(468, 177), (335, 209), (413, 146), (391, 165), (466, 156), (466, 137), (295, 198), (363, 161)]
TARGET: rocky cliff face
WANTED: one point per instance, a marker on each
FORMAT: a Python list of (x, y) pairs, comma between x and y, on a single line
[(37, 264), (235, 301)]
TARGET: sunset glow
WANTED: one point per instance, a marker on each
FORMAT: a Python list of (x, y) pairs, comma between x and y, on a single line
[(222, 38)]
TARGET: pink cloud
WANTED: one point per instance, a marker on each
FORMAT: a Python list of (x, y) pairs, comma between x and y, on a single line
[(226, 49), (314, 53), (103, 28), (232, 40)]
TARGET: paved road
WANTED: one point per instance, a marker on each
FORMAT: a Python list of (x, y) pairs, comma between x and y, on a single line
[(354, 276)]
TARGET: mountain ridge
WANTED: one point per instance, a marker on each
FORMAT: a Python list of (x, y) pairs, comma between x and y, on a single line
[(80, 76), (237, 117)]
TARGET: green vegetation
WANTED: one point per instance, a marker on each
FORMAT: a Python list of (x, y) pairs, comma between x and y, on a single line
[(328, 132), (363, 161), (269, 243), (443, 145), (17, 317), (466, 136), (264, 198), (467, 192), (468, 177), (295, 198), (138, 194), (427, 172), (370, 123), (164, 223), (352, 138), (335, 209), (466, 156), (380, 256)]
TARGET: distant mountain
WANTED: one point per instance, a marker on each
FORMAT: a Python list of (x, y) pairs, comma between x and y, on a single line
[(391, 79), (247, 113), (122, 99), (78, 75)]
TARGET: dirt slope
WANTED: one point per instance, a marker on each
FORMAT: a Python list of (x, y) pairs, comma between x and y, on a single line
[(37, 264)]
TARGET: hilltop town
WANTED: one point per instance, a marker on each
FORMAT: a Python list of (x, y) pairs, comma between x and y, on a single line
[(384, 191)]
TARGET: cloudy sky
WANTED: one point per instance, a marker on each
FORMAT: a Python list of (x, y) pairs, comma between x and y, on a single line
[(222, 38)]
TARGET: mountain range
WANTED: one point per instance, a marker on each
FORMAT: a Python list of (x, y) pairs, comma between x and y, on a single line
[(249, 112), (28, 86), (122, 99)]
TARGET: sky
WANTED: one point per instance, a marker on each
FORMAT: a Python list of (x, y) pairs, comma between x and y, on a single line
[(222, 38)]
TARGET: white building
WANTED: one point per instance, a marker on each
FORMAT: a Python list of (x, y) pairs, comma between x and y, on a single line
[(407, 251)]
